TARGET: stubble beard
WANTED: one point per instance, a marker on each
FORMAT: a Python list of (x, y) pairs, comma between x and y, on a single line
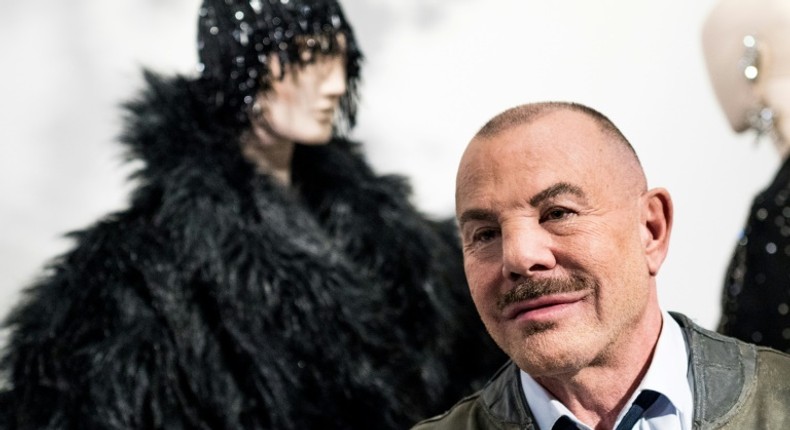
[(549, 354)]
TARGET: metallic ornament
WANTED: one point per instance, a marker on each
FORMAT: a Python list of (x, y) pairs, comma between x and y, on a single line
[(761, 119), (750, 61)]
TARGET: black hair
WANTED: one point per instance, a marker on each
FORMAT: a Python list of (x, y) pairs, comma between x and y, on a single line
[(236, 38)]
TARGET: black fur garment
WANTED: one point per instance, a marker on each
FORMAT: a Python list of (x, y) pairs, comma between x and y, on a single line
[(221, 300)]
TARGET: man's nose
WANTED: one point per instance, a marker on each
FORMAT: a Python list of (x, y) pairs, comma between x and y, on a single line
[(526, 250)]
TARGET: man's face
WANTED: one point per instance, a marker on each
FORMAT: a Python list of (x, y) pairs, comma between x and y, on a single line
[(553, 249), (301, 106)]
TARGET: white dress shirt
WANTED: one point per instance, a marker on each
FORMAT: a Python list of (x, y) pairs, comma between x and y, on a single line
[(667, 375)]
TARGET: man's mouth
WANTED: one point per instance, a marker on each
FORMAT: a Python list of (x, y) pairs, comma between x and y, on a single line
[(544, 306)]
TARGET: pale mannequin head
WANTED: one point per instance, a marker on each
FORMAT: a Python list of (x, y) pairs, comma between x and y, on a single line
[(280, 73), (241, 42), (768, 22), (300, 106), (302, 99)]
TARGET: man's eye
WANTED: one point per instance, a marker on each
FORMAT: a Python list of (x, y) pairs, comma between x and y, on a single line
[(485, 235), (555, 214)]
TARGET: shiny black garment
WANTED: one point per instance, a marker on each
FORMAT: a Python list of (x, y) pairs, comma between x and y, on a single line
[(756, 299), (221, 300)]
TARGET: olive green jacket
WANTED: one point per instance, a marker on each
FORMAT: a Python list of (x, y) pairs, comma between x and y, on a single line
[(736, 385)]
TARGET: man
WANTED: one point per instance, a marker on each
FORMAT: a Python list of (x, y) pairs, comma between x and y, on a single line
[(562, 243)]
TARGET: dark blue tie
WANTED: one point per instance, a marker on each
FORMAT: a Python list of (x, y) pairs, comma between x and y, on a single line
[(643, 401)]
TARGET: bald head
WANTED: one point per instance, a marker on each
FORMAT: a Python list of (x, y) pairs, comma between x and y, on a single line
[(527, 113), (570, 133)]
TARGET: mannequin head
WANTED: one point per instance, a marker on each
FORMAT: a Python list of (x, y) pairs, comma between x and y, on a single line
[(245, 46), (301, 101), (746, 44)]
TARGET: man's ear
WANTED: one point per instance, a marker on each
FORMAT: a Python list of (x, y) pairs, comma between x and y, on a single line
[(656, 226)]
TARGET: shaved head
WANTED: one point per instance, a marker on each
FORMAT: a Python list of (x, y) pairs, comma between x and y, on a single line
[(620, 164), (530, 112)]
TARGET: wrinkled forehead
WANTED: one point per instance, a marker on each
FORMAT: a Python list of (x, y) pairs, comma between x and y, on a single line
[(559, 137), (560, 146)]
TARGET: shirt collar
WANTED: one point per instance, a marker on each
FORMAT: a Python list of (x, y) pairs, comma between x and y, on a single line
[(667, 375), (668, 372)]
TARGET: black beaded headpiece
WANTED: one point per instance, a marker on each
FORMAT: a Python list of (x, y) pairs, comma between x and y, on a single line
[(236, 37)]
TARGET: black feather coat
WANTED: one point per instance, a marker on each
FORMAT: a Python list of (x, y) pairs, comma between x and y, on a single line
[(221, 300)]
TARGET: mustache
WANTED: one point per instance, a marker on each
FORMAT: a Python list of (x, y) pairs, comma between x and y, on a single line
[(530, 289)]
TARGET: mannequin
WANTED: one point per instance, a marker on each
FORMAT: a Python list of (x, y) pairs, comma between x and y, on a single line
[(766, 21), (746, 45), (263, 275)]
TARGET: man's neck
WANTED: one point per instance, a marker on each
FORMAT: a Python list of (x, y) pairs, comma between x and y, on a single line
[(597, 393)]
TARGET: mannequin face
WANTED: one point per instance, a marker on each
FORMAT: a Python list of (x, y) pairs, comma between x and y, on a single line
[(301, 106)]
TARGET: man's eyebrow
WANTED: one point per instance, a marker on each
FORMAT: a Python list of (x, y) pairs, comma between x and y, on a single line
[(554, 191), (476, 215), (550, 192)]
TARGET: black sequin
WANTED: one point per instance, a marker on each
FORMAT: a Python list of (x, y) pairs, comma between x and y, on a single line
[(756, 297)]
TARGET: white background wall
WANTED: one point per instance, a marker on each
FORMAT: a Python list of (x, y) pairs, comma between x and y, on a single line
[(436, 70)]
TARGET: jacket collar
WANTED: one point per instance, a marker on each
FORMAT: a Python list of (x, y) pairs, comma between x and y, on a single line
[(722, 370)]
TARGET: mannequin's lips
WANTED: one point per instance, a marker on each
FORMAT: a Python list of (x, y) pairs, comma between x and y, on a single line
[(325, 114)]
